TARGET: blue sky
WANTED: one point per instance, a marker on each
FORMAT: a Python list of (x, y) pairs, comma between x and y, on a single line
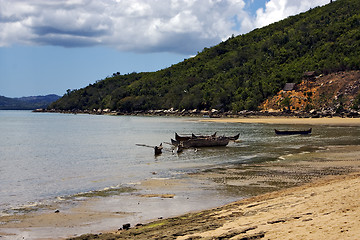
[(49, 46)]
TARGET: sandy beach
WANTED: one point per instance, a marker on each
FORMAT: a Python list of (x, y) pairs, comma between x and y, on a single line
[(311, 195), (335, 121), (326, 207)]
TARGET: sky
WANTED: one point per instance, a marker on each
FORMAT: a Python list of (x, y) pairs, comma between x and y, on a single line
[(49, 46)]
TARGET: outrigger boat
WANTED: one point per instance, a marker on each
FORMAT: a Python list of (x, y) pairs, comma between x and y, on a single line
[(158, 149), (234, 138), (202, 141), (293, 132), (195, 136), (205, 142), (182, 138)]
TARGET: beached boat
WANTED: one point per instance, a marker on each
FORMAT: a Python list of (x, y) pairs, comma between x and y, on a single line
[(185, 138), (205, 142), (202, 141), (158, 149), (233, 138), (293, 132), (174, 142), (182, 138), (196, 136)]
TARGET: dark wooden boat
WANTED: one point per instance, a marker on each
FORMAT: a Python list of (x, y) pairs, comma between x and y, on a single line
[(206, 142), (196, 136), (158, 149), (185, 138), (293, 132), (179, 148), (233, 138), (202, 141), (181, 138), (174, 142)]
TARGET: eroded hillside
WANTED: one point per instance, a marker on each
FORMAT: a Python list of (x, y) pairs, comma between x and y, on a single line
[(331, 93)]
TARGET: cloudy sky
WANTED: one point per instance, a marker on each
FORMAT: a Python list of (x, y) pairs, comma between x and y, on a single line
[(49, 46)]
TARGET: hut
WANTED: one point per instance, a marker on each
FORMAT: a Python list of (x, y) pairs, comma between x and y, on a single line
[(289, 87)]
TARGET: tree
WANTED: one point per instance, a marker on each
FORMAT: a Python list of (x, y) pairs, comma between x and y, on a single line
[(286, 102)]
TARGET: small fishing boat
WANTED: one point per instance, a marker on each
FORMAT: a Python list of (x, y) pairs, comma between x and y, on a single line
[(185, 138), (202, 141), (206, 142), (293, 132), (174, 142), (182, 138), (158, 149), (234, 138), (195, 136)]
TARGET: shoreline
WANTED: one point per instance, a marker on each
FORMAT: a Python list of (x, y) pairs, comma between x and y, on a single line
[(254, 180), (323, 206), (270, 186), (285, 118), (346, 113), (334, 121)]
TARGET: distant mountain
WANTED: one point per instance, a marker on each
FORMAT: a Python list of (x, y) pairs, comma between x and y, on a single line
[(27, 103), (239, 73)]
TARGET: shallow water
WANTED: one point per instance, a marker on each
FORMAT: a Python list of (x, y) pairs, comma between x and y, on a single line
[(45, 157)]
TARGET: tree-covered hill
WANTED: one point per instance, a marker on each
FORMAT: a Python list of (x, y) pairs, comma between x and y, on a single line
[(240, 72), (27, 103)]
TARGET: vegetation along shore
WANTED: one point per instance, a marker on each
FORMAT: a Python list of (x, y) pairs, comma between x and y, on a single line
[(241, 73)]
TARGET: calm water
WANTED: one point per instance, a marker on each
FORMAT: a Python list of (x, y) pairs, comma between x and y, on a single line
[(44, 156)]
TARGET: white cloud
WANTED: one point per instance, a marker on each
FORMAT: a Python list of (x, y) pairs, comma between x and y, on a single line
[(276, 10), (183, 26), (138, 25)]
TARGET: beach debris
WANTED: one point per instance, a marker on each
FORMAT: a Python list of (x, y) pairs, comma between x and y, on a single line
[(57, 211)]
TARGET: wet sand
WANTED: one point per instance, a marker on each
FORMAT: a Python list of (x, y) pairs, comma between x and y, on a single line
[(323, 205)]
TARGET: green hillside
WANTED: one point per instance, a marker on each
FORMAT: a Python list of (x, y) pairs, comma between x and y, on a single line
[(238, 73), (27, 103)]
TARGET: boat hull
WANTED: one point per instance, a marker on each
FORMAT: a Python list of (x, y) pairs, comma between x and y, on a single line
[(205, 142), (293, 132)]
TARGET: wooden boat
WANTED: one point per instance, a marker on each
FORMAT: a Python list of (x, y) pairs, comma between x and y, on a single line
[(174, 142), (181, 138), (195, 136), (233, 138), (158, 149), (206, 142), (179, 148), (185, 138), (293, 132), (202, 141)]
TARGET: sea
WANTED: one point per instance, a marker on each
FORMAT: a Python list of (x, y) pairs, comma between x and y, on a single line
[(47, 157)]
